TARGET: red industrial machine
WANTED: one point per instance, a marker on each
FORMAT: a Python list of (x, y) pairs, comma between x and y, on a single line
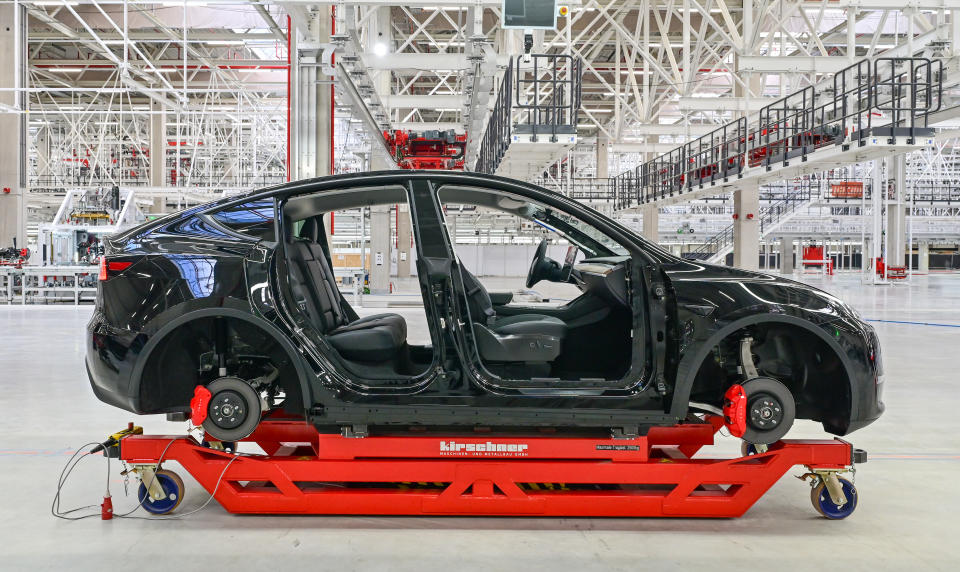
[(890, 272), (16, 257), (440, 150), (816, 256)]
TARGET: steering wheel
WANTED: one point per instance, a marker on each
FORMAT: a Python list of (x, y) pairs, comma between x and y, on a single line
[(541, 266)]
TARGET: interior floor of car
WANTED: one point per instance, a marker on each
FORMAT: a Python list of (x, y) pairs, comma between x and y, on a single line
[(586, 339), (372, 347)]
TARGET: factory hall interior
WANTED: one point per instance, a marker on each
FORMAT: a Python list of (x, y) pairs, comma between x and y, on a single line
[(479, 284)]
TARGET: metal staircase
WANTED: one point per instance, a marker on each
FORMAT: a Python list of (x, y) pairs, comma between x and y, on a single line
[(534, 120), (868, 110)]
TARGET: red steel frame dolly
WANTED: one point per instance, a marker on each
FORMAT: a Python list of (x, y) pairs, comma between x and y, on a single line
[(418, 473)]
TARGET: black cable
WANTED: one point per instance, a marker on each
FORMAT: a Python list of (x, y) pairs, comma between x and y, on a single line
[(72, 463), (77, 457)]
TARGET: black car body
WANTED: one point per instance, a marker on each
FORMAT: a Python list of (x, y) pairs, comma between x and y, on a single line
[(233, 290)]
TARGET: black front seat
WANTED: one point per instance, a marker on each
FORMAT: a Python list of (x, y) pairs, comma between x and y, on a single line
[(373, 339), (532, 338)]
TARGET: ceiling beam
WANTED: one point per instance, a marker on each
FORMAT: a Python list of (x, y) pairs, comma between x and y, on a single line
[(793, 64)]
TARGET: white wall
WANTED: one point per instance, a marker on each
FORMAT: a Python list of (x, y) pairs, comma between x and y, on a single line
[(510, 260), (504, 259)]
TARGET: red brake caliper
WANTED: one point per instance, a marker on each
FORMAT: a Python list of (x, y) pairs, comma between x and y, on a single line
[(200, 402), (735, 410)]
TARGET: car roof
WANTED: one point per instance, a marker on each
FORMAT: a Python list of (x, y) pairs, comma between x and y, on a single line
[(335, 182)]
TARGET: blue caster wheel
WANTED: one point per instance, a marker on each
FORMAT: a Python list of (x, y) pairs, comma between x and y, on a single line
[(172, 486), (825, 505)]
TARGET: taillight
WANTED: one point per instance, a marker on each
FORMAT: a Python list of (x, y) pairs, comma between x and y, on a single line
[(108, 269)]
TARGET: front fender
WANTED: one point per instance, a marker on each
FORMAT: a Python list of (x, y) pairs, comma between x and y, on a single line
[(692, 360)]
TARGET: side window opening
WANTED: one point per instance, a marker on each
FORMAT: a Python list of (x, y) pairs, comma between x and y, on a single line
[(573, 326)]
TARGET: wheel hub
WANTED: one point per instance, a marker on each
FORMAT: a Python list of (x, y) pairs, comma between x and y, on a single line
[(765, 412), (227, 409)]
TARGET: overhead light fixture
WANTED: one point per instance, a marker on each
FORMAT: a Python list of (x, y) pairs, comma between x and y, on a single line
[(380, 49), (224, 42), (66, 70), (55, 3)]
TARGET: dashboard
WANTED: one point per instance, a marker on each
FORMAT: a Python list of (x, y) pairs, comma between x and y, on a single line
[(605, 277)]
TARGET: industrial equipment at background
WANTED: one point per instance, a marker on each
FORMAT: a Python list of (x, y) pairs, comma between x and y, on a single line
[(85, 216), (442, 150), (13, 256), (95, 207)]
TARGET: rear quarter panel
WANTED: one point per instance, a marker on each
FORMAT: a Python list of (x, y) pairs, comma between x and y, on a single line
[(184, 265)]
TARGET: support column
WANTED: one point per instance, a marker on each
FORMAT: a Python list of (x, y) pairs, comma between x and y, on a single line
[(897, 214), (380, 250), (746, 230), (786, 255), (380, 243), (873, 247), (403, 242), (311, 101), (13, 203), (44, 155), (923, 257), (158, 153), (158, 143), (651, 223), (232, 168), (603, 157)]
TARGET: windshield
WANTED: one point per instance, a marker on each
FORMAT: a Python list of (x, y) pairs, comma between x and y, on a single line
[(587, 237), (497, 216)]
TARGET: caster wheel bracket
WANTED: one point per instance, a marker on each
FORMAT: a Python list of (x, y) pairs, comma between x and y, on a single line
[(148, 476), (834, 488), (831, 481)]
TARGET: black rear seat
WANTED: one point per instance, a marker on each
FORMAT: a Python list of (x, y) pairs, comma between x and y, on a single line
[(371, 339)]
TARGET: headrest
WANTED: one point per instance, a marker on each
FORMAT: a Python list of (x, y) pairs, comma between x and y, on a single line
[(309, 230)]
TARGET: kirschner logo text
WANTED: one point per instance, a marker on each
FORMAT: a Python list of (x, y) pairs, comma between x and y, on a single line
[(487, 449)]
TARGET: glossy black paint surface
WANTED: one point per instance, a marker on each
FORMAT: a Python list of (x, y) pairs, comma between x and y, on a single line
[(188, 264)]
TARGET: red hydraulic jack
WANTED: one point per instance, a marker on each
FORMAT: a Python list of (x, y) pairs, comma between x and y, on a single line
[(304, 472)]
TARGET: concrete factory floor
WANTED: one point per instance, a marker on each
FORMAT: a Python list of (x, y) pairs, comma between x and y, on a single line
[(907, 517)]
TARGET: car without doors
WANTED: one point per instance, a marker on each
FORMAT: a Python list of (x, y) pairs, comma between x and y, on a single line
[(240, 297)]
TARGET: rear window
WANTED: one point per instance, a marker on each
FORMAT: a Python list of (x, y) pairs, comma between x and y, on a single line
[(254, 219)]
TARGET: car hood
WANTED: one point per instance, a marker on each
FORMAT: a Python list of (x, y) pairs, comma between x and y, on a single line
[(721, 291)]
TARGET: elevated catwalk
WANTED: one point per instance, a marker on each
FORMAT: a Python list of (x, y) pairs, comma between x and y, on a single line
[(534, 120), (869, 110)]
